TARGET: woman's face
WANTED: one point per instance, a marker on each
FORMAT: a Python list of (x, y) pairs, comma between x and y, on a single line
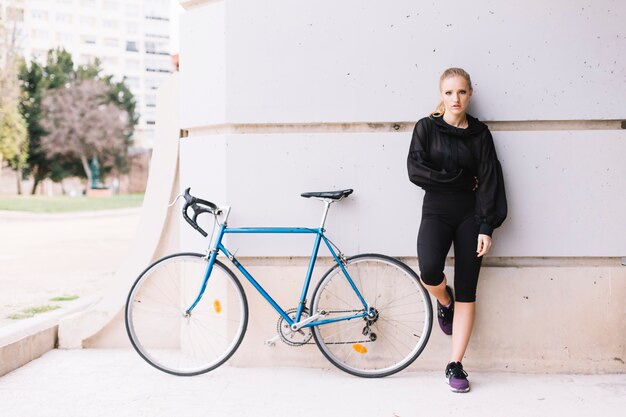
[(455, 94)]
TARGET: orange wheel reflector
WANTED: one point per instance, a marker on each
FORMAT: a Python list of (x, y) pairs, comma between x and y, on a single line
[(359, 348), (217, 306)]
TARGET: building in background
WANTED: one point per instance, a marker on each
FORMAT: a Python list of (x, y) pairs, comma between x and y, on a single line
[(130, 37)]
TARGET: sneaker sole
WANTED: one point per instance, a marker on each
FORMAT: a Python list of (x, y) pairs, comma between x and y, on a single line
[(457, 390)]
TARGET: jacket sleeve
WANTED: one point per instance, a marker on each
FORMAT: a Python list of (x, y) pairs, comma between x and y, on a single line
[(491, 205), (422, 172)]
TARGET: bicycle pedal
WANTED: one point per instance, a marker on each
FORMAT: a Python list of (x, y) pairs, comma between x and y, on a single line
[(272, 342)]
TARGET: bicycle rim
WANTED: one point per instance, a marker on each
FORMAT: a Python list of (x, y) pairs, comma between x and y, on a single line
[(176, 342), (394, 338)]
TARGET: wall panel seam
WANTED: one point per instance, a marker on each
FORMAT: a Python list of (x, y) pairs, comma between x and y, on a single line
[(403, 126)]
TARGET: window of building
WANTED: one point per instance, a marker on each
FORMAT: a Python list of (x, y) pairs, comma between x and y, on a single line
[(132, 46), (157, 35), (157, 8), (64, 18), (133, 64), (88, 21), (150, 100), (158, 65), (132, 82), (85, 59), (151, 83), (109, 61), (111, 42), (39, 14), (132, 28), (40, 34), (160, 17), (88, 39), (109, 24), (155, 27), (133, 10), (150, 47), (158, 48), (65, 37), (110, 5)]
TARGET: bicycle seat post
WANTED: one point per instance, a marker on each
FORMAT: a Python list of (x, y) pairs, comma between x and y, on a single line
[(327, 204)]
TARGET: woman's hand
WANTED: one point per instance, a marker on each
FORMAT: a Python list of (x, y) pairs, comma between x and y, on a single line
[(484, 245)]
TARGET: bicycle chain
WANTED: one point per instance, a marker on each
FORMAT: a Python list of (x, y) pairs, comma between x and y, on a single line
[(342, 343)]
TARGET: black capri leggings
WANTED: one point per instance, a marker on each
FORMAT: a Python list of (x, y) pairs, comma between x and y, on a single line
[(448, 217)]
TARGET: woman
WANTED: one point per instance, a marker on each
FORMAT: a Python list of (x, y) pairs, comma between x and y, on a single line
[(452, 157)]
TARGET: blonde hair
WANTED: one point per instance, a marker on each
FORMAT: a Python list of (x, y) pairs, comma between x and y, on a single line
[(448, 73)]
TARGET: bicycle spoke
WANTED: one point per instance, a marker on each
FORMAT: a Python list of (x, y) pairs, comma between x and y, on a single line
[(399, 326), (169, 338)]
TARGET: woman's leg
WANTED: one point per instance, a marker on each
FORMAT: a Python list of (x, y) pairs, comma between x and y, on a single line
[(462, 326), (466, 271), (433, 244), (439, 292)]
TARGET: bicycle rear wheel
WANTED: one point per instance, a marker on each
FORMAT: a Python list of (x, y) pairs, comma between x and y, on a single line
[(166, 336), (396, 332)]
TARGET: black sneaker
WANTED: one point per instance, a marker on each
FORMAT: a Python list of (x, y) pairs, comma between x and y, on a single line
[(457, 377), (446, 314)]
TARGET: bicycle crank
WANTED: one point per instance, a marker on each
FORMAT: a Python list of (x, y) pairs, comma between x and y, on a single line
[(290, 337)]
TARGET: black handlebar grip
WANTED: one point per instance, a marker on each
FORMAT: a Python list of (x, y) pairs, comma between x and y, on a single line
[(193, 202)]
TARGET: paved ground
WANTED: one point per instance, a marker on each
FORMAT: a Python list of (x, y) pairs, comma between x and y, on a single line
[(92, 383), (49, 255)]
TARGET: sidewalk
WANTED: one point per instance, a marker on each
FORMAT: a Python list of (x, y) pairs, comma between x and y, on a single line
[(89, 383), (44, 256)]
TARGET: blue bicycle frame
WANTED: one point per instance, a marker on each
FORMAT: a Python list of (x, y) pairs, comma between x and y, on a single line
[(319, 237)]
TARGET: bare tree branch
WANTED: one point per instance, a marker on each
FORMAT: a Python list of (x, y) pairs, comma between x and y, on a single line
[(82, 124)]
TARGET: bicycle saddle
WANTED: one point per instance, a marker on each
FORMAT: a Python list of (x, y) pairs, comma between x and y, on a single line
[(333, 195)]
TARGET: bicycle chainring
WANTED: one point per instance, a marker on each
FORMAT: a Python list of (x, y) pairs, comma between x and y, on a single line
[(291, 338)]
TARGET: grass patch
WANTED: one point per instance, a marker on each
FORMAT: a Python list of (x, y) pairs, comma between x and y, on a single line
[(30, 312), (65, 298), (63, 204)]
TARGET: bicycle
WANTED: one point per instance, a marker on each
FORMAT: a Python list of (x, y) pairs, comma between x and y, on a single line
[(187, 313)]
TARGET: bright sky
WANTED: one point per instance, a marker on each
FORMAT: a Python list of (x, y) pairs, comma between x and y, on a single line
[(175, 10)]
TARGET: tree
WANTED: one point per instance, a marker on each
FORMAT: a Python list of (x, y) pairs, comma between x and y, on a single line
[(58, 72), (81, 122), (13, 134), (121, 96), (36, 79), (13, 141)]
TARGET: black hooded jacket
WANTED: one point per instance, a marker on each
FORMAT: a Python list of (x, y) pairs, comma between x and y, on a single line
[(445, 158)]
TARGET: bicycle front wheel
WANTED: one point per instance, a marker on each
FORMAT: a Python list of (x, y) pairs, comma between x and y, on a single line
[(396, 329), (169, 337)]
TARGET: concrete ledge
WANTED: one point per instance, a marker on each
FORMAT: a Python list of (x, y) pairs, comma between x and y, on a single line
[(28, 339), (19, 353)]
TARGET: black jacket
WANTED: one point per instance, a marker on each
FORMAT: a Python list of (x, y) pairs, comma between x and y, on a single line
[(445, 158)]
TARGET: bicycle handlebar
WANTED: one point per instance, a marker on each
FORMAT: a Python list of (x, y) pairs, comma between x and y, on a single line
[(196, 206)]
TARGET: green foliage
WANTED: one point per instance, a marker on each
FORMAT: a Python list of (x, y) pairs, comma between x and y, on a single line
[(30, 312), (65, 298), (59, 71), (36, 79), (13, 137)]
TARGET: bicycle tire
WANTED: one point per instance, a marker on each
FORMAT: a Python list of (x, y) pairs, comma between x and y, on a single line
[(402, 326), (167, 338)]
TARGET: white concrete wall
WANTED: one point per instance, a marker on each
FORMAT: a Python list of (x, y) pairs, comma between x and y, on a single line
[(565, 190), (356, 60), (282, 62), (281, 97)]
